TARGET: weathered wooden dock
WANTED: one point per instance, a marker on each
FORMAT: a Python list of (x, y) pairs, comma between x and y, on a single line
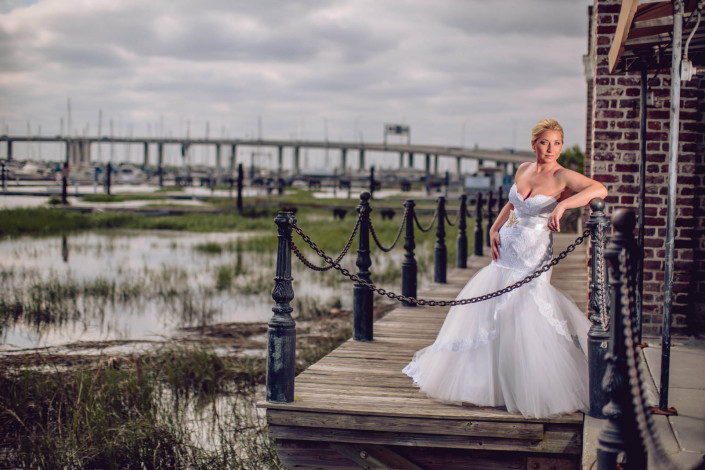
[(355, 409)]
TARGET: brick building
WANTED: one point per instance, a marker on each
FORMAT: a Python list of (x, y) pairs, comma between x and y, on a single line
[(628, 42)]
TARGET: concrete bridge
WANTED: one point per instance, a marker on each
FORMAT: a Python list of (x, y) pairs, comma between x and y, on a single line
[(78, 152)]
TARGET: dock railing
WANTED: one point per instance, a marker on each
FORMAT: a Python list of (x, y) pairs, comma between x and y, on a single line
[(616, 383)]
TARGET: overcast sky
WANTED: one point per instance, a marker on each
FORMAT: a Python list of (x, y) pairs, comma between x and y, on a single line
[(457, 72)]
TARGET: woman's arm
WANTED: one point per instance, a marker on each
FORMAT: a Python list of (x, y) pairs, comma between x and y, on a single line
[(585, 189), (502, 217)]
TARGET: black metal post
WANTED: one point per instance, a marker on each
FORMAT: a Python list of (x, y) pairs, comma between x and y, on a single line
[(461, 259), (441, 251), (108, 177), (240, 177), (619, 441), (478, 225), (598, 336), (409, 281), (64, 182), (490, 203), (281, 337), (372, 181), (363, 310)]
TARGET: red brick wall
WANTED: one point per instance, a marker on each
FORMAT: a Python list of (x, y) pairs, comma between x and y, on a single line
[(615, 156)]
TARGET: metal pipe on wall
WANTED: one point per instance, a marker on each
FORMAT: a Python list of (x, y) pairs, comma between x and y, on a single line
[(673, 135)]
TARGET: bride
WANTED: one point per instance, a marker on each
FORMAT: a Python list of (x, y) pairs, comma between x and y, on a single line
[(527, 349)]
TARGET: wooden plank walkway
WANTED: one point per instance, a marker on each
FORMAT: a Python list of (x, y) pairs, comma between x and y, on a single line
[(355, 409)]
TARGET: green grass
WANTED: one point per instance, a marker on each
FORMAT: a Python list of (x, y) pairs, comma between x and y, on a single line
[(136, 414)]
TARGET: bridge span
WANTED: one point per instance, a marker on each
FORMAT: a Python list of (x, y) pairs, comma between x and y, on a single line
[(78, 151)]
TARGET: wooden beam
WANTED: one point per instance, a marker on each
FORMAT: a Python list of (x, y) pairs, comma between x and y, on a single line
[(626, 15), (374, 457)]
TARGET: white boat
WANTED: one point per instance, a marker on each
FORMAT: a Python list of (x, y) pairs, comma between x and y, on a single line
[(129, 174), (31, 171)]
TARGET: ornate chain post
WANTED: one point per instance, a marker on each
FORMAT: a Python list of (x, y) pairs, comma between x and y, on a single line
[(598, 336), (441, 252), (281, 347), (490, 203), (409, 283), (363, 313), (619, 441), (478, 225), (461, 260)]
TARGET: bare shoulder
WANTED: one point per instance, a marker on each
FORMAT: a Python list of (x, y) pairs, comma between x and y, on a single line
[(522, 168)]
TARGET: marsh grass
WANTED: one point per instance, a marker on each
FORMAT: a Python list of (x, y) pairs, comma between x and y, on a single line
[(147, 412), (175, 407)]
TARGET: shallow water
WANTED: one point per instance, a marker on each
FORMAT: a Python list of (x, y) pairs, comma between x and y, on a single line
[(145, 286)]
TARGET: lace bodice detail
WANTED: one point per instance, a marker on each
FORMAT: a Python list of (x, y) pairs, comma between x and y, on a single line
[(538, 205), (526, 242)]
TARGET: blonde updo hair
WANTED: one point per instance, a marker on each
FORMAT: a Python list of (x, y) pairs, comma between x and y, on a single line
[(545, 125)]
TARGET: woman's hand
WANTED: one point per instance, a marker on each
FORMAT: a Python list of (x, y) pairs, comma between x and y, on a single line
[(495, 244), (554, 218)]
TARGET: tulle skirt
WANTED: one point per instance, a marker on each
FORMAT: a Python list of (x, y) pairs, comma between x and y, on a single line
[(525, 350)]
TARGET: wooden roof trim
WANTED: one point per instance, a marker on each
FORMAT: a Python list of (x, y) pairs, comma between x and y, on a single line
[(626, 16)]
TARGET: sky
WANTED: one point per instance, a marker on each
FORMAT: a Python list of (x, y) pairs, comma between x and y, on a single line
[(458, 72)]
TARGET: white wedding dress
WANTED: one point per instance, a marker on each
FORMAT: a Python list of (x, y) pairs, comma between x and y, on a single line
[(525, 350)]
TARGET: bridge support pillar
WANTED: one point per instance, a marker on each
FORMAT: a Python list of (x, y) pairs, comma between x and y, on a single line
[(233, 159), (401, 160), (145, 160), (361, 166), (343, 160), (297, 160), (218, 165), (435, 165), (459, 168), (9, 151), (280, 160), (428, 166), (411, 159), (160, 163)]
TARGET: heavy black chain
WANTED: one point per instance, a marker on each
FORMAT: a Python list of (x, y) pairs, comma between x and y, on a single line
[(637, 372), (430, 226), (332, 262), (457, 216), (435, 303), (401, 227)]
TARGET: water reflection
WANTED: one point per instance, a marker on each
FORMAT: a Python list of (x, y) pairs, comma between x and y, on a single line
[(142, 285)]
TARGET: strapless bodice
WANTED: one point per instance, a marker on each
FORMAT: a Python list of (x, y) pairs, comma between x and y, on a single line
[(539, 205)]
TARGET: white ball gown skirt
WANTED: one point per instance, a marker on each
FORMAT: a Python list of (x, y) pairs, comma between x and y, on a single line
[(525, 350)]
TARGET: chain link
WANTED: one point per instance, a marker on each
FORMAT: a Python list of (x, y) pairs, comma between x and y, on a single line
[(401, 227), (435, 303), (430, 226), (332, 262), (635, 368), (455, 221)]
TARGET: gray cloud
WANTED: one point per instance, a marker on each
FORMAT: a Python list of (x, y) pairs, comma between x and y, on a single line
[(297, 65)]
